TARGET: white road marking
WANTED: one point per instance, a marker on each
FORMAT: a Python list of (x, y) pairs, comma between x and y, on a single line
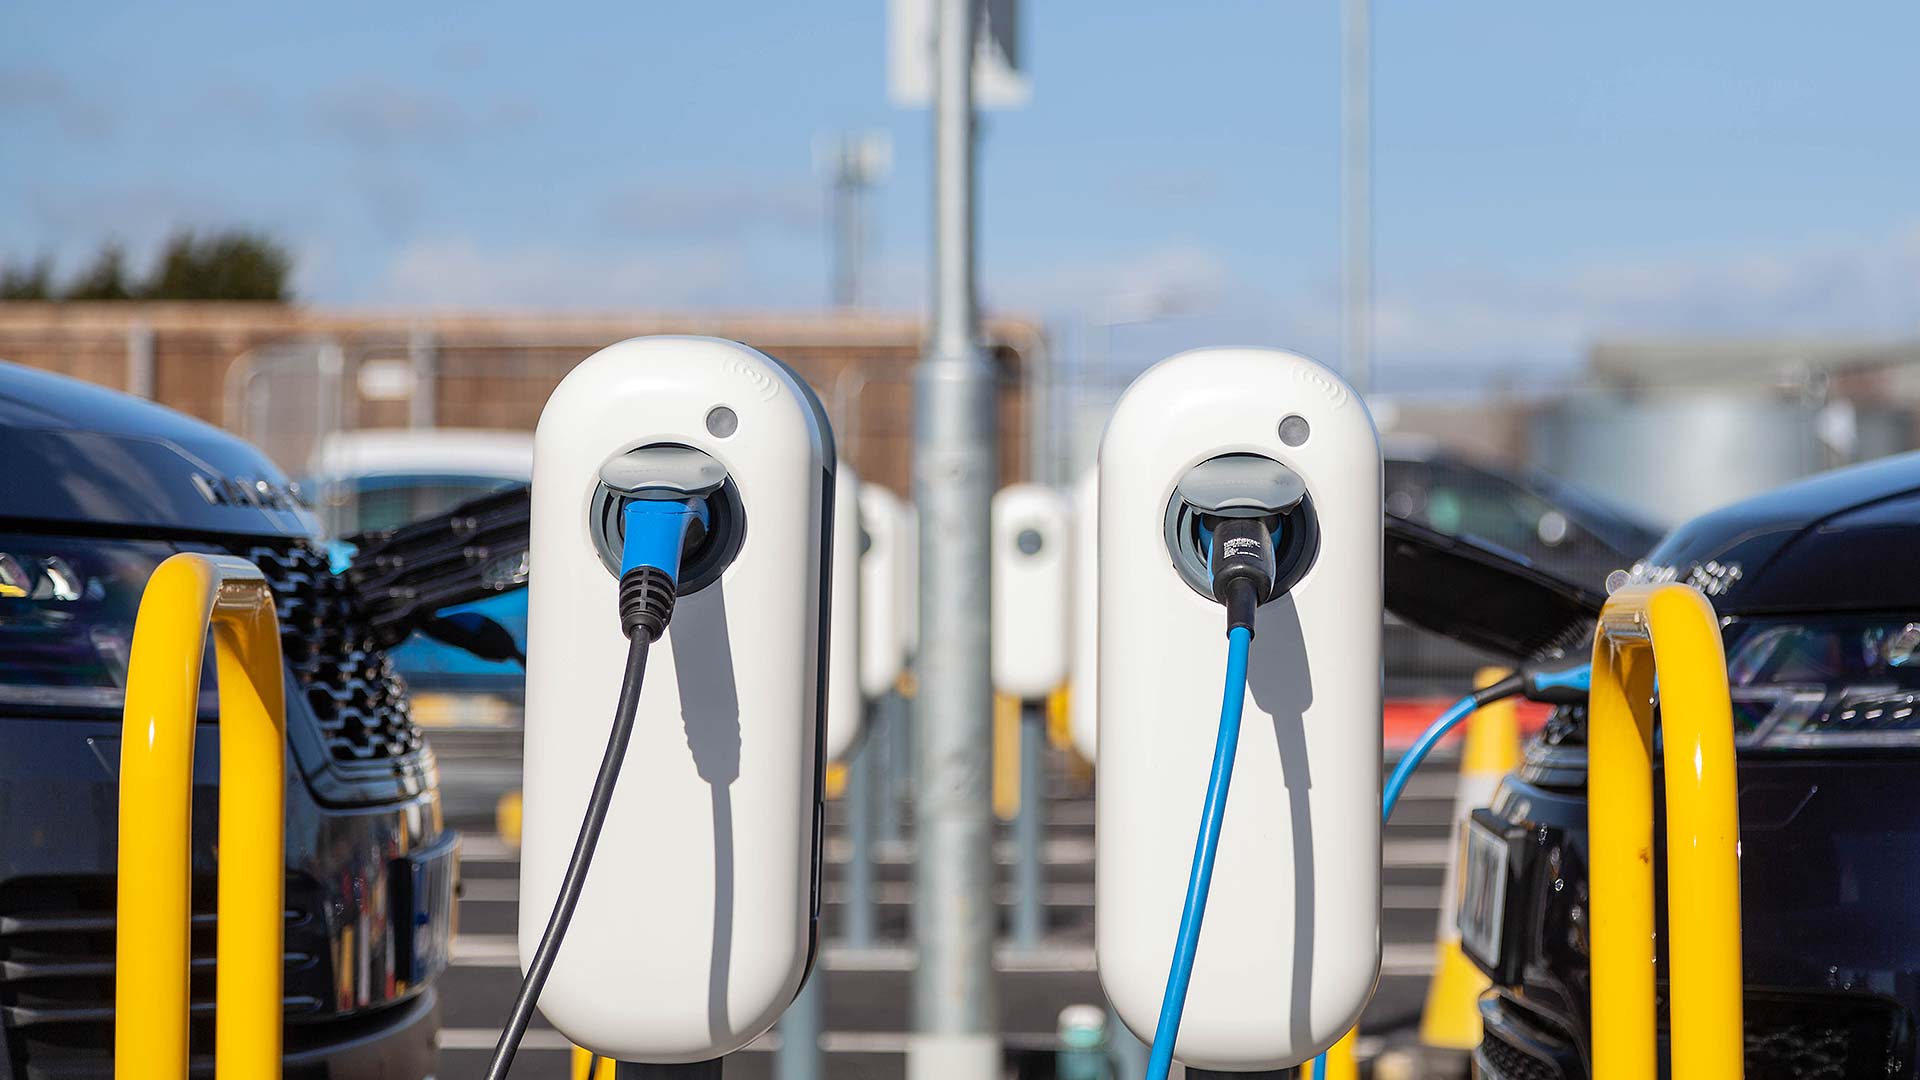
[(502, 951)]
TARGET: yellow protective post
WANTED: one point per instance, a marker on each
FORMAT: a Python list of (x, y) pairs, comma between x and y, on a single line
[(1671, 629), (506, 818), (1451, 1016), (1006, 757), (586, 1068), (188, 595), (1059, 718), (1341, 1062)]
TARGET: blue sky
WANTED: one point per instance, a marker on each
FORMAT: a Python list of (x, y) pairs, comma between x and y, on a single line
[(1545, 174)]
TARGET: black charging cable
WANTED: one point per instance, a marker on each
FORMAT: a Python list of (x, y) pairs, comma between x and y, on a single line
[(646, 605)]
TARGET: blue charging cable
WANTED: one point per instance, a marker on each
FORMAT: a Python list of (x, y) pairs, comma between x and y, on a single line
[(1200, 879), (1417, 753)]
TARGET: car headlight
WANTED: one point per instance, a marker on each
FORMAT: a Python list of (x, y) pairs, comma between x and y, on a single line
[(1825, 683)]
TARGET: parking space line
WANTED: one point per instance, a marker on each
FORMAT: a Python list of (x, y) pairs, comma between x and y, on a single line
[(502, 950), (488, 1038)]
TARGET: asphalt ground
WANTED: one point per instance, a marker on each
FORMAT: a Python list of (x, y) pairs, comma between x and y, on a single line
[(868, 992)]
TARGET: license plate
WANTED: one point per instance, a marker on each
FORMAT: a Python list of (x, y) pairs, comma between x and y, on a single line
[(1482, 914), (428, 878)]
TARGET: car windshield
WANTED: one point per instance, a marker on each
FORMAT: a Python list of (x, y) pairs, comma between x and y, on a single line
[(1819, 681), (67, 607)]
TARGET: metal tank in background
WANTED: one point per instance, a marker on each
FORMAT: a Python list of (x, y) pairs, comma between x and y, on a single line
[(1734, 445)]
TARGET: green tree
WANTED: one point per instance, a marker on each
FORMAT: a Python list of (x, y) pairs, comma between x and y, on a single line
[(34, 282), (231, 265), (106, 279)]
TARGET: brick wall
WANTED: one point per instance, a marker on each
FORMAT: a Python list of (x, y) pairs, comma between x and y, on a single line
[(224, 362)]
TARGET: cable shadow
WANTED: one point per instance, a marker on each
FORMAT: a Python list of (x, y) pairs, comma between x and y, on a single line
[(1282, 685), (710, 713)]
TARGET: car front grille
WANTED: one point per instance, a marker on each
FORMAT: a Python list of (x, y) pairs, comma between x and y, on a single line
[(1497, 1059), (1824, 1037), (57, 967), (359, 699)]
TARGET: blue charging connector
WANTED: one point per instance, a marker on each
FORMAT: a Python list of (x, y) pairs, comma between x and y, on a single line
[(657, 531)]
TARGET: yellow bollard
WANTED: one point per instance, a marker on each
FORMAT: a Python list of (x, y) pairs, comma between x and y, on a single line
[(1006, 757), (1451, 1016), (583, 1067), (1059, 718), (1673, 628), (1341, 1064), (506, 819), (187, 595)]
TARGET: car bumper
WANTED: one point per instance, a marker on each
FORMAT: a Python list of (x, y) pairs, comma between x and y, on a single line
[(396, 1043)]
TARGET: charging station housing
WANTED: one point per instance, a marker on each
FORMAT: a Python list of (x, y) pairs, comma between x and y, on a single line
[(1289, 950), (1083, 703), (1032, 535), (883, 571), (698, 920), (846, 711), (910, 578)]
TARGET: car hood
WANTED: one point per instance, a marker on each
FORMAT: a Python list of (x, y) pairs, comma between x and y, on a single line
[(1840, 541), (1492, 600), (80, 456)]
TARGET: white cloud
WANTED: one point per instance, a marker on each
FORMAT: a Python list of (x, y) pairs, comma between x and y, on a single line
[(1155, 283), (1860, 289), (34, 90), (706, 211), (373, 116), (460, 273)]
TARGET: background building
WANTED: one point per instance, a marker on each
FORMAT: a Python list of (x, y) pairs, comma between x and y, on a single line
[(286, 376)]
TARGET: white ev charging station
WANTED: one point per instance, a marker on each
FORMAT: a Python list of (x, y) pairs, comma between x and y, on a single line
[(697, 924), (1083, 703), (846, 705), (883, 575), (1029, 584), (1204, 451), (1030, 531), (910, 578)]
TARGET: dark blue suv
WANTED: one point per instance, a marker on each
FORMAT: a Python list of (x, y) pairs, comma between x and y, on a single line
[(96, 488)]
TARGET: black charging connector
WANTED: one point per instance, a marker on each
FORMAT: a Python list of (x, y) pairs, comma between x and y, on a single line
[(1556, 681), (646, 602), (1241, 560)]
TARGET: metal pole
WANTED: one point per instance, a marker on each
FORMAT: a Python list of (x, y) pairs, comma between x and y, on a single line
[(1127, 1053), (1029, 828), (1356, 194), (798, 1056), (423, 356), (862, 792), (890, 762), (954, 474), (140, 359), (1036, 372), (847, 183)]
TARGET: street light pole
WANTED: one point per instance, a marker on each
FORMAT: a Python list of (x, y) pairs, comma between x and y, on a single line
[(954, 475), (1356, 194), (852, 165)]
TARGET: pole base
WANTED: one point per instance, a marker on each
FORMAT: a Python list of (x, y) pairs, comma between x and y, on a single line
[(953, 1057)]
